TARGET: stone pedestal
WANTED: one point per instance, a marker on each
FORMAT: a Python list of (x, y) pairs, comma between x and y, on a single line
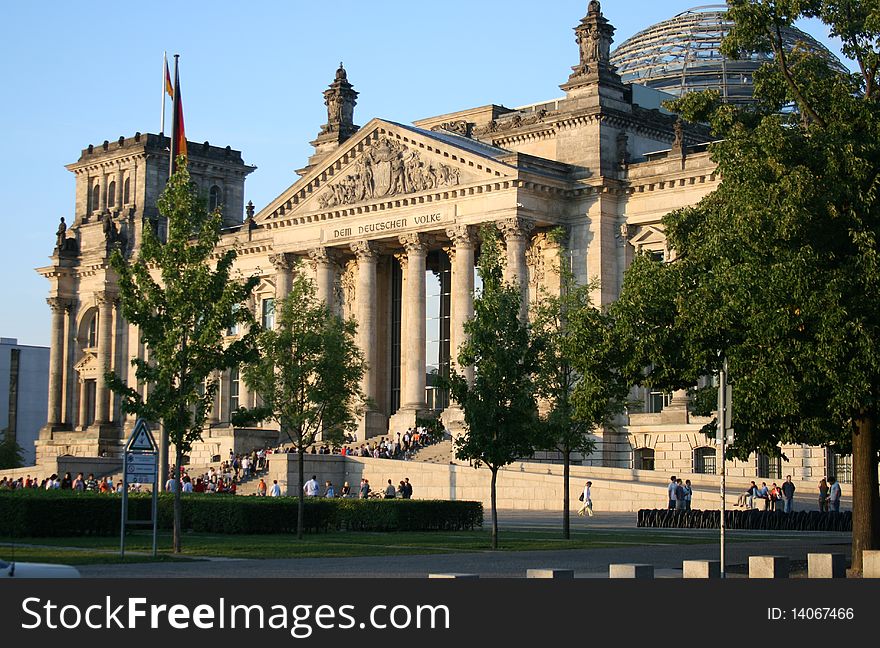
[(549, 572), (871, 564), (826, 565), (701, 569), (768, 567), (405, 418), (371, 424), (631, 570)]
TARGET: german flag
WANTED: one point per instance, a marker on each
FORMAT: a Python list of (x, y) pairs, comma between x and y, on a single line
[(178, 133), (169, 89)]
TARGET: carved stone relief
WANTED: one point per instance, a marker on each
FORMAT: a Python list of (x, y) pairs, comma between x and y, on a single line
[(348, 286), (388, 168)]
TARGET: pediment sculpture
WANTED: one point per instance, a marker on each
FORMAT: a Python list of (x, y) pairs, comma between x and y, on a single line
[(388, 168)]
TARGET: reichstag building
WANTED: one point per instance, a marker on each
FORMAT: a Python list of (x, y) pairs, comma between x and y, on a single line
[(385, 216)]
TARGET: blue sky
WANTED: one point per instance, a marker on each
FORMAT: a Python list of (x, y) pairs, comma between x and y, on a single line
[(252, 74)]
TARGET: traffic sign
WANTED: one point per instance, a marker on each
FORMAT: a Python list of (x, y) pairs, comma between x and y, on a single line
[(141, 438)]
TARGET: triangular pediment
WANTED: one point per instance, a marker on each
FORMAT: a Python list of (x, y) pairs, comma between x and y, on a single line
[(87, 367), (388, 161)]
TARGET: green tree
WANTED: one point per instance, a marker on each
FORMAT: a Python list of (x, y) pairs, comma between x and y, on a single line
[(182, 299), (576, 378), (308, 375), (500, 410), (11, 454), (779, 269)]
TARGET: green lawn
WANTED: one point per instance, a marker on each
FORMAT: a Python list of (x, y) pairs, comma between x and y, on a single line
[(84, 550)]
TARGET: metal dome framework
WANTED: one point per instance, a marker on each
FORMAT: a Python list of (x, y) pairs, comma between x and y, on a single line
[(683, 54)]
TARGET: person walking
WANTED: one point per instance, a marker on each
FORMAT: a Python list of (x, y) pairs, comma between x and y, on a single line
[(311, 487), (365, 489), (276, 489), (834, 494), (688, 494), (788, 489), (390, 491), (823, 495), (262, 488), (671, 489), (587, 501)]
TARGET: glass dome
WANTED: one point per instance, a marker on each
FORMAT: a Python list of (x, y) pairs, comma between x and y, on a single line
[(683, 54)]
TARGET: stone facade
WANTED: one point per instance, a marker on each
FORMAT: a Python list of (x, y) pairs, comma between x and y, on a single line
[(377, 209)]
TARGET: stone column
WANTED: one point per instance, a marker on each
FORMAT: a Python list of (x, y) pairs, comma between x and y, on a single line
[(367, 256), (325, 275), (59, 308), (119, 196), (284, 264), (214, 412), (105, 347), (516, 235), (413, 337), (462, 290), (83, 403)]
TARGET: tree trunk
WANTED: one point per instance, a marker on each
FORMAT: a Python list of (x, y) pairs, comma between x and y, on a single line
[(865, 498), (301, 462), (178, 508), (566, 499), (494, 470)]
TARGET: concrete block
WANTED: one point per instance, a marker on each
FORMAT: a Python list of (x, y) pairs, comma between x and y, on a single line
[(871, 564), (768, 567), (454, 575), (822, 565), (631, 570), (701, 569), (549, 572)]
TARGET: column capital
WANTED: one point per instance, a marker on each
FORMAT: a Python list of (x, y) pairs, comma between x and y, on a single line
[(365, 250), (515, 228), (59, 304), (415, 243), (106, 299), (402, 260), (283, 261), (462, 235), (323, 255)]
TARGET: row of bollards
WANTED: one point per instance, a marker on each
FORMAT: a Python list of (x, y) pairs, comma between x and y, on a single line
[(819, 565)]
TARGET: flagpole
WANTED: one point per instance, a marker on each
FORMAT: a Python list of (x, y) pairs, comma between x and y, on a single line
[(164, 68), (173, 149)]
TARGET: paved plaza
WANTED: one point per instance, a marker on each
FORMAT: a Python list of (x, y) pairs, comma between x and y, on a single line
[(587, 563)]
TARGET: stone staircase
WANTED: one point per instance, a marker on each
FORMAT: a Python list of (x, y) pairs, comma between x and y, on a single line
[(438, 453)]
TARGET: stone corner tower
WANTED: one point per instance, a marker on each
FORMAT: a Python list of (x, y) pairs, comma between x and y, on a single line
[(340, 99)]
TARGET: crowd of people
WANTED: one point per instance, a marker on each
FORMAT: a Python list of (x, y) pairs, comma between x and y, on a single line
[(775, 495), (313, 488), (80, 483)]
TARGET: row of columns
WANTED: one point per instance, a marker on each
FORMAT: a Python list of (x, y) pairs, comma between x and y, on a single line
[(416, 246)]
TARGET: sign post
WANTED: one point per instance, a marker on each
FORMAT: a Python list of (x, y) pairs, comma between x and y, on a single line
[(725, 427), (140, 465)]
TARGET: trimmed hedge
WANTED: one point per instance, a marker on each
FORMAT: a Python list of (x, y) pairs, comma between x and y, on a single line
[(748, 519), (61, 513)]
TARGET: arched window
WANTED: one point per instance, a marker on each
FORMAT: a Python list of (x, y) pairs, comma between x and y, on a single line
[(215, 197), (705, 461), (643, 459), (96, 197), (111, 195), (126, 193), (92, 340)]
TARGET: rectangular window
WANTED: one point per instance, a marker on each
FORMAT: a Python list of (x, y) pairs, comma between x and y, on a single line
[(840, 466), (268, 318), (233, 328), (657, 400), (705, 461), (768, 467), (234, 379)]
